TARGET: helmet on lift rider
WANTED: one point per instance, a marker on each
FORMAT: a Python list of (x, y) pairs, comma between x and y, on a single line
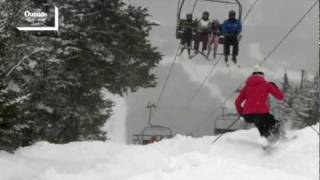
[(215, 22), (232, 14), (205, 15), (189, 17)]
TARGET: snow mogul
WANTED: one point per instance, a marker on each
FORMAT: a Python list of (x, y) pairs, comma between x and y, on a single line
[(252, 104)]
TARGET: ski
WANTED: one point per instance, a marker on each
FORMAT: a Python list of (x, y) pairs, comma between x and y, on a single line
[(269, 148), (236, 64), (287, 139), (192, 56), (205, 56), (181, 51)]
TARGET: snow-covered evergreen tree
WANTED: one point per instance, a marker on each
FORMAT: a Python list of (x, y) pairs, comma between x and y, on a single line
[(283, 109), (14, 131), (301, 103), (316, 108), (100, 44)]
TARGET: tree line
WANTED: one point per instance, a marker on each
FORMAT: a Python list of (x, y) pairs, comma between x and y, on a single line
[(301, 105)]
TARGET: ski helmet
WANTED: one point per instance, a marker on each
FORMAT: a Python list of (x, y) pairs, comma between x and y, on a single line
[(232, 13), (189, 16), (205, 14), (257, 70), (215, 21)]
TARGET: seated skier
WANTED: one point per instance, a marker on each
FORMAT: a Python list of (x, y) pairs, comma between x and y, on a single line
[(202, 32), (214, 38), (252, 104), (187, 27), (231, 30)]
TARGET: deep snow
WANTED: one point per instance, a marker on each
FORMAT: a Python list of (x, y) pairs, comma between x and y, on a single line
[(236, 156)]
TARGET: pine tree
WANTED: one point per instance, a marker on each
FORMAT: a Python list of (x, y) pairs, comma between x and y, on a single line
[(316, 100), (300, 108), (283, 110), (100, 44), (285, 84), (13, 131)]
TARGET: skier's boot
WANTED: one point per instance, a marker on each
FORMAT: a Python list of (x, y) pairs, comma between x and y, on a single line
[(271, 139), (274, 134), (234, 59), (275, 131), (226, 60)]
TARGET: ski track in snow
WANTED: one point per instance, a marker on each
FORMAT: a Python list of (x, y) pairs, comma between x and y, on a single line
[(236, 155)]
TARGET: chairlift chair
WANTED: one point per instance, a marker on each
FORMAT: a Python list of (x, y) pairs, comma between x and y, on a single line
[(180, 21), (181, 3), (154, 131), (223, 119)]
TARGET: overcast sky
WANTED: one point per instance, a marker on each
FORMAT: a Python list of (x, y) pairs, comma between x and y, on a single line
[(269, 21)]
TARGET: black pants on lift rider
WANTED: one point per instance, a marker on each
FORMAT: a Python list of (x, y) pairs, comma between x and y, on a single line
[(229, 41)]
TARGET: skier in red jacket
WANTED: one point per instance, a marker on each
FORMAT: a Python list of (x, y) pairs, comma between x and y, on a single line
[(252, 104)]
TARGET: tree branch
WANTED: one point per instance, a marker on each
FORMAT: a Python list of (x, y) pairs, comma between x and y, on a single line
[(24, 58)]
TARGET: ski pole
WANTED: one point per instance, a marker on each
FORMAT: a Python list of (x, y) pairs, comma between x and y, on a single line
[(217, 138)]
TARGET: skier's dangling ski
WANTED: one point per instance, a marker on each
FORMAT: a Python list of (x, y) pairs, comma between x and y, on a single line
[(234, 60), (192, 56)]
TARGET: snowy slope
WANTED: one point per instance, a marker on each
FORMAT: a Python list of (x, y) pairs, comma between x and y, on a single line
[(236, 156)]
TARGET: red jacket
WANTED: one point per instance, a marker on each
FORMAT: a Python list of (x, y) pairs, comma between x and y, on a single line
[(255, 96)]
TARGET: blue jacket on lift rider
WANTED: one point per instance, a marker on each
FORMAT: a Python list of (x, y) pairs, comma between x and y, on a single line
[(231, 30)]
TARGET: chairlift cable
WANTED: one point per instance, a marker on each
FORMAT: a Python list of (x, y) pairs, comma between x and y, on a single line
[(249, 10), (198, 89), (194, 6), (165, 82), (289, 32)]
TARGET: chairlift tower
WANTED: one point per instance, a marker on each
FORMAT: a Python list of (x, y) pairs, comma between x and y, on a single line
[(150, 106)]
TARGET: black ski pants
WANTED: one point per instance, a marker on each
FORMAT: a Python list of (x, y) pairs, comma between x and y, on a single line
[(201, 37), (186, 39), (265, 123), (228, 42)]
